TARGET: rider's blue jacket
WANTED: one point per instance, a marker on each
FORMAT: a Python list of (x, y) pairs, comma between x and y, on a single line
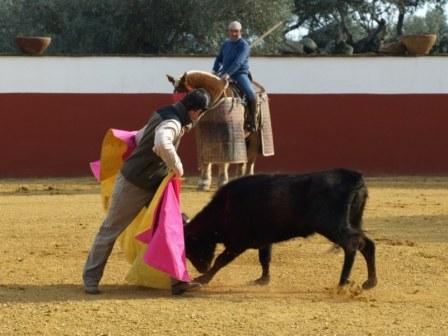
[(233, 58)]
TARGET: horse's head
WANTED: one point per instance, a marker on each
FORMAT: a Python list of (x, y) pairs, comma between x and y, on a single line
[(180, 89), (180, 84), (198, 79)]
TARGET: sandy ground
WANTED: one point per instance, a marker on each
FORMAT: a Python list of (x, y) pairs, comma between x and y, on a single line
[(47, 227)]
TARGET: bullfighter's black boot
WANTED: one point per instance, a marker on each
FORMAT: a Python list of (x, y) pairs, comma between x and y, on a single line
[(250, 122), (92, 290), (180, 287)]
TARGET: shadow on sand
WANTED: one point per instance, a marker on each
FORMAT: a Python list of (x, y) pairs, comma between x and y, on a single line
[(20, 293)]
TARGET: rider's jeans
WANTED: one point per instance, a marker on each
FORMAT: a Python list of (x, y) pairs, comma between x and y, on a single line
[(245, 84)]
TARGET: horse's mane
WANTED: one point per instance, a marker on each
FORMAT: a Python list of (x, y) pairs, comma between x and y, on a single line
[(201, 79)]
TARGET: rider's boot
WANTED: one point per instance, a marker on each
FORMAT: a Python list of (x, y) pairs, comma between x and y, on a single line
[(250, 123)]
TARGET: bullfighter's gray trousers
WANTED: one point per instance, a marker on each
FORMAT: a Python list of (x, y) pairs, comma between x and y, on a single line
[(126, 202)]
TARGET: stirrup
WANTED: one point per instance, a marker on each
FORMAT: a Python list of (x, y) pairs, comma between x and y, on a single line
[(250, 127)]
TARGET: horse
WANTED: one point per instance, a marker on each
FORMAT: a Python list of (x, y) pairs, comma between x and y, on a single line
[(221, 89)]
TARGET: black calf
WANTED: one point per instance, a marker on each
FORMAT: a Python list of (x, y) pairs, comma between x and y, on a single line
[(257, 211)]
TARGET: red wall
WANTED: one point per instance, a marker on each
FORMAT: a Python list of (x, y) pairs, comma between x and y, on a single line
[(59, 134), (378, 134)]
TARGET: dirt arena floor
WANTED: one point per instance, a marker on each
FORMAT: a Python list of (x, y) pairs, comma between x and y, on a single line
[(46, 228)]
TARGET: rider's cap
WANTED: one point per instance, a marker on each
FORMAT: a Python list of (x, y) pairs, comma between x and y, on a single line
[(234, 25)]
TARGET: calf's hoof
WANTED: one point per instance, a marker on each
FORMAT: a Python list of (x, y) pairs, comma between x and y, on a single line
[(370, 283), (343, 283), (203, 279), (263, 281)]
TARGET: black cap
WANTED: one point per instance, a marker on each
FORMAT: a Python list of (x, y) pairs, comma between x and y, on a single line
[(198, 99)]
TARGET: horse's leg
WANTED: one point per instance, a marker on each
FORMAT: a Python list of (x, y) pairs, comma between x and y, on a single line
[(250, 167), (223, 174), (253, 144), (205, 180), (241, 169)]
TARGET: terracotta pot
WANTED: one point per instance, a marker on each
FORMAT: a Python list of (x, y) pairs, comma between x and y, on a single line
[(34, 45), (418, 44)]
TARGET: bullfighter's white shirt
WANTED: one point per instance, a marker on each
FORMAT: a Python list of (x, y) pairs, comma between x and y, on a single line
[(167, 136)]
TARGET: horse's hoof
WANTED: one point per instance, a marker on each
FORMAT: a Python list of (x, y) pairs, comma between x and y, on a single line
[(203, 187)]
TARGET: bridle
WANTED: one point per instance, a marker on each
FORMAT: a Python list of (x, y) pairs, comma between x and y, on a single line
[(221, 95)]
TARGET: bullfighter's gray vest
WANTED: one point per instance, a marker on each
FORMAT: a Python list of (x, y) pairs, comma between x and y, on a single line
[(144, 168)]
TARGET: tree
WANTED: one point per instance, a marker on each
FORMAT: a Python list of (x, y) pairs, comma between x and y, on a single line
[(145, 26), (408, 7), (434, 22), (356, 21), (199, 26), (360, 23)]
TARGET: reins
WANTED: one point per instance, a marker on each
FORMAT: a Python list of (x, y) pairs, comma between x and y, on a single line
[(221, 95)]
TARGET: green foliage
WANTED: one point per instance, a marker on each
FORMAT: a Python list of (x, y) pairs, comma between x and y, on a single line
[(138, 26), (435, 22), (355, 18), (199, 26)]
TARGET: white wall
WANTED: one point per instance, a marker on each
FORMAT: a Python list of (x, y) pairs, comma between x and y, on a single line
[(293, 75)]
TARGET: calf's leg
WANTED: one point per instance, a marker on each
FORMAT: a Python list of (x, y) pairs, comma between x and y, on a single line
[(350, 246), (264, 256), (340, 233), (222, 260), (368, 251)]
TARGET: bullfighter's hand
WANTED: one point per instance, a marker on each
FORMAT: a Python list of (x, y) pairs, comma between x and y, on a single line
[(178, 172), (225, 76)]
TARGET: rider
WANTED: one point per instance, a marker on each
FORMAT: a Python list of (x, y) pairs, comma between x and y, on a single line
[(233, 62)]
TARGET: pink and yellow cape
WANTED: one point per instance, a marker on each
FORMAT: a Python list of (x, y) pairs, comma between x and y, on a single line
[(154, 242)]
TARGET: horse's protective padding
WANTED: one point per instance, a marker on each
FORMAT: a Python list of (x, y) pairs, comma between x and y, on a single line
[(220, 133), (266, 135)]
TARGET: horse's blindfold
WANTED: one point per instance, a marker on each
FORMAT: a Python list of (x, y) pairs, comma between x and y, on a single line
[(178, 96)]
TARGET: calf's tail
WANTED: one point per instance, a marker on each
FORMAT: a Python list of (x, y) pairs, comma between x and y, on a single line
[(352, 233), (358, 198)]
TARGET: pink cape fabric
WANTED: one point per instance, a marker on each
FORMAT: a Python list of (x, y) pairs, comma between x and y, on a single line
[(166, 250), (128, 137)]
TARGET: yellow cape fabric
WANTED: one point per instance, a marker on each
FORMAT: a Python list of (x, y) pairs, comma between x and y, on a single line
[(141, 274)]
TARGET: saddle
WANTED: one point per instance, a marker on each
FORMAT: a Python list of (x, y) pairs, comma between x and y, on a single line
[(238, 92)]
